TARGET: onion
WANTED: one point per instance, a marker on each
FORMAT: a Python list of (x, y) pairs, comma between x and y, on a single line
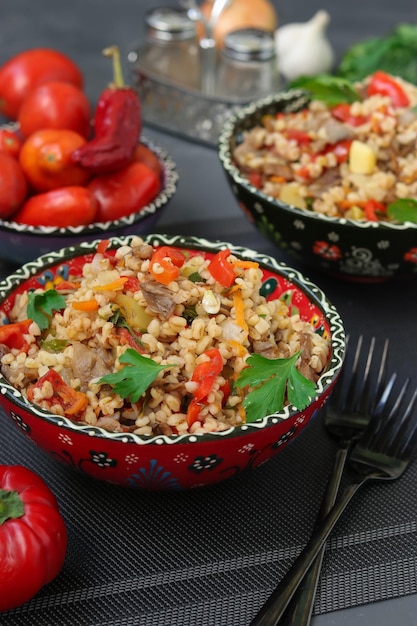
[(242, 14)]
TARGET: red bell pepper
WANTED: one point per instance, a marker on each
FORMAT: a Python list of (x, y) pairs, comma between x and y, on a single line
[(33, 536), (73, 402), (299, 136), (165, 264), (11, 335), (342, 113), (221, 269), (386, 85), (205, 374)]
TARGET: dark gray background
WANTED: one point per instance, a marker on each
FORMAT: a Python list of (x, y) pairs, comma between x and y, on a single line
[(204, 205)]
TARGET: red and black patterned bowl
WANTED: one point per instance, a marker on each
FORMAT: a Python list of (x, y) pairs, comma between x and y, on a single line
[(20, 243), (346, 248), (179, 461)]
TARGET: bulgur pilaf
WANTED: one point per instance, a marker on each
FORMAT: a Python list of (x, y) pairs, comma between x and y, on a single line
[(196, 318), (352, 159)]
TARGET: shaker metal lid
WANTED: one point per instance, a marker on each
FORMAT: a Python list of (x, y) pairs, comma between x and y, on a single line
[(250, 44), (168, 24)]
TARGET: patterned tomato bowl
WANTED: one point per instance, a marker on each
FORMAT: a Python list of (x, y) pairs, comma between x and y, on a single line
[(20, 243), (179, 461), (357, 250)]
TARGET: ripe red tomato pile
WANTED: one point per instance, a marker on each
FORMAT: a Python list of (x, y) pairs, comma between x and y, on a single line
[(41, 182)]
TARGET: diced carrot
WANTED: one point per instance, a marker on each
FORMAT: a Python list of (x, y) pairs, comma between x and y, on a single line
[(85, 305)]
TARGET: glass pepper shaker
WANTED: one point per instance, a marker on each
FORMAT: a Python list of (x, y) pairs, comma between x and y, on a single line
[(171, 49), (248, 67)]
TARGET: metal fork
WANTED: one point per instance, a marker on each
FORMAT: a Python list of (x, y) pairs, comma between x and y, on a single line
[(347, 413), (383, 453)]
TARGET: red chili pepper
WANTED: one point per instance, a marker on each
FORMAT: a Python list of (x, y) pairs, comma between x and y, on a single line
[(221, 270), (342, 112), (33, 536), (73, 402), (11, 335), (386, 85), (165, 264), (117, 126)]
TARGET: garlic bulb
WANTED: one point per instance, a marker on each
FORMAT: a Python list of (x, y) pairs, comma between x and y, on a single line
[(303, 49)]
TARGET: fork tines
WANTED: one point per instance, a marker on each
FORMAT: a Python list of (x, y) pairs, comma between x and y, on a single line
[(383, 434), (363, 375)]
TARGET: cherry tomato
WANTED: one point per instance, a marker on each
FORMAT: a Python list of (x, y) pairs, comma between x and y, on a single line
[(10, 142), (55, 105), (28, 69), (143, 154), (67, 206), (45, 158), (124, 192), (13, 186)]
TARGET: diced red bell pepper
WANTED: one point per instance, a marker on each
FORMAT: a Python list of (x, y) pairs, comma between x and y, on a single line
[(340, 150), (342, 112), (384, 84), (299, 136), (11, 335), (221, 269), (165, 264), (73, 402)]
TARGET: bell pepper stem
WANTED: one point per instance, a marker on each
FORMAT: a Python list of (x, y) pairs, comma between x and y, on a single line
[(11, 505)]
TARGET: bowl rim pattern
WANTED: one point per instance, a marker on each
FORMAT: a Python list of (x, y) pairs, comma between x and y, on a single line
[(307, 287), (293, 99), (168, 189)]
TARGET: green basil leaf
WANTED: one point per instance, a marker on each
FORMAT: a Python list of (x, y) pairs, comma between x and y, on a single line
[(403, 210)]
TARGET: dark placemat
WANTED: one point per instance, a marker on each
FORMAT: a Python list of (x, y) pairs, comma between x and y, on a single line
[(209, 557)]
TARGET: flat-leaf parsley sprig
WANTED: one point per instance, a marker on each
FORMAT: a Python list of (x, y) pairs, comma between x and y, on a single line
[(133, 380), (273, 380), (41, 306)]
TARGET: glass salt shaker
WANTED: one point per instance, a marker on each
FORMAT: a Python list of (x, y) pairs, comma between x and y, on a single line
[(248, 67), (171, 49)]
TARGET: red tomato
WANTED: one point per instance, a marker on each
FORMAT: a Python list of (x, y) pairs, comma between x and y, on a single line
[(143, 154), (13, 186), (55, 105), (68, 206), (124, 192), (45, 158), (9, 142), (28, 69)]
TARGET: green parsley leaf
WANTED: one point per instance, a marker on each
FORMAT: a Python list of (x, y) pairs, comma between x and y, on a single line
[(134, 379), (403, 210), (329, 89), (272, 380), (41, 306)]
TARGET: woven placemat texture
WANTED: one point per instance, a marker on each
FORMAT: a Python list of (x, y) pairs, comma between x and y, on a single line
[(211, 556)]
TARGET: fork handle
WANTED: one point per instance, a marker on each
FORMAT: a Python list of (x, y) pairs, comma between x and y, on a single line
[(278, 601), (300, 608)]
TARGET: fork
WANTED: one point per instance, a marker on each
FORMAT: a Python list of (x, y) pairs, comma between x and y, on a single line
[(382, 453), (346, 416)]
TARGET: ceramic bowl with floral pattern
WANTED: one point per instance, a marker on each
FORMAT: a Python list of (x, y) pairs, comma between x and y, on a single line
[(181, 461), (20, 243), (359, 250)]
